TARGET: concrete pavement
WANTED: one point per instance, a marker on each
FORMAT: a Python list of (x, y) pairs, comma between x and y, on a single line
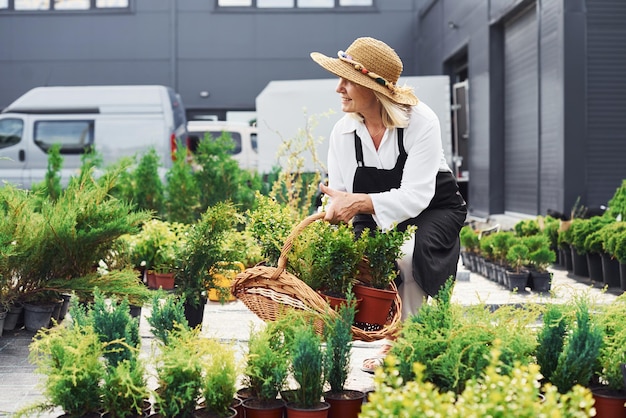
[(19, 385)]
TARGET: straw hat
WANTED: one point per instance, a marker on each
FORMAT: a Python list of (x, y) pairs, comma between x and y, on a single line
[(370, 63)]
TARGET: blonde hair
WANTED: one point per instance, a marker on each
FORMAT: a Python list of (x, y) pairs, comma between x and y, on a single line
[(394, 115)]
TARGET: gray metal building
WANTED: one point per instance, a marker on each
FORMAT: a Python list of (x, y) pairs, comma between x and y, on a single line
[(538, 86)]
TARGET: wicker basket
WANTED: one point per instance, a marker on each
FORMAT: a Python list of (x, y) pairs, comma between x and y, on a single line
[(270, 291)]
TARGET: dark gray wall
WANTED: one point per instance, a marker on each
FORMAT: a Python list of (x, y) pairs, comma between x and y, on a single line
[(190, 46), (580, 139)]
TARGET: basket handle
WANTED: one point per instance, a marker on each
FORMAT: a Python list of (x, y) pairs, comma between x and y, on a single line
[(282, 260)]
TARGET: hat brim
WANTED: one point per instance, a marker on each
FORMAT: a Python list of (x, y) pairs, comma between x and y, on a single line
[(346, 70)]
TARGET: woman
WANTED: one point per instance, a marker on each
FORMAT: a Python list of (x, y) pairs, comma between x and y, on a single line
[(386, 167)]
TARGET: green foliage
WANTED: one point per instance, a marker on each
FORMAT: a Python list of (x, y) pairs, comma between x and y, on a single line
[(615, 240), (594, 242), (266, 367), (307, 366), (114, 326), (124, 389), (493, 394), (487, 247), (500, 242), (382, 249), (63, 240), (182, 193), (540, 255), (219, 177), (270, 224), (517, 255), (205, 248), (617, 203), (326, 256), (576, 363), (338, 337), (179, 374), (551, 338), (69, 358), (469, 239), (220, 379), (157, 245), (612, 353), (168, 313), (526, 227), (452, 342), (149, 194), (551, 230), (51, 185)]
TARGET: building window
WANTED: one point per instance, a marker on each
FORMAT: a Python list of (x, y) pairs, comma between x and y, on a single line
[(297, 4), (49, 5)]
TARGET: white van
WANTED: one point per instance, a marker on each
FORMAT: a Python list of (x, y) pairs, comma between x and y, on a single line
[(243, 135), (117, 120)]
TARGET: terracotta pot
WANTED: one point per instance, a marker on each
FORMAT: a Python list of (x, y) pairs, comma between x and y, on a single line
[(255, 408), (164, 280), (375, 304), (151, 280), (609, 403), (335, 302), (319, 411), (344, 404)]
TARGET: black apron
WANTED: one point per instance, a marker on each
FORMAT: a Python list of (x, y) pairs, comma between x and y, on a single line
[(437, 246)]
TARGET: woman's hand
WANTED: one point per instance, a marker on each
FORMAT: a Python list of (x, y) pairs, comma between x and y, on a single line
[(343, 205)]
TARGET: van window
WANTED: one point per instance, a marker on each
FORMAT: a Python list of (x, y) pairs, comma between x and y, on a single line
[(75, 136), (10, 132), (195, 137)]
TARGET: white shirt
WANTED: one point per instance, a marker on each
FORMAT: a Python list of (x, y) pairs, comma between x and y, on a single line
[(422, 142)]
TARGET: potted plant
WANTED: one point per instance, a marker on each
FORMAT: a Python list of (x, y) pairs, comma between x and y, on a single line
[(220, 377), (616, 249), (540, 257), (452, 341), (205, 248), (265, 372), (70, 359), (155, 249), (517, 258), (568, 344), (501, 242), (179, 371), (344, 403), (168, 314), (469, 246), (610, 391), (516, 393), (306, 367), (381, 251), (270, 223), (325, 257)]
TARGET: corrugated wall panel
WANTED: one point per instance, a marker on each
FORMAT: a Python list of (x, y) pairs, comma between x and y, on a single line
[(551, 113), (606, 100), (520, 113)]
